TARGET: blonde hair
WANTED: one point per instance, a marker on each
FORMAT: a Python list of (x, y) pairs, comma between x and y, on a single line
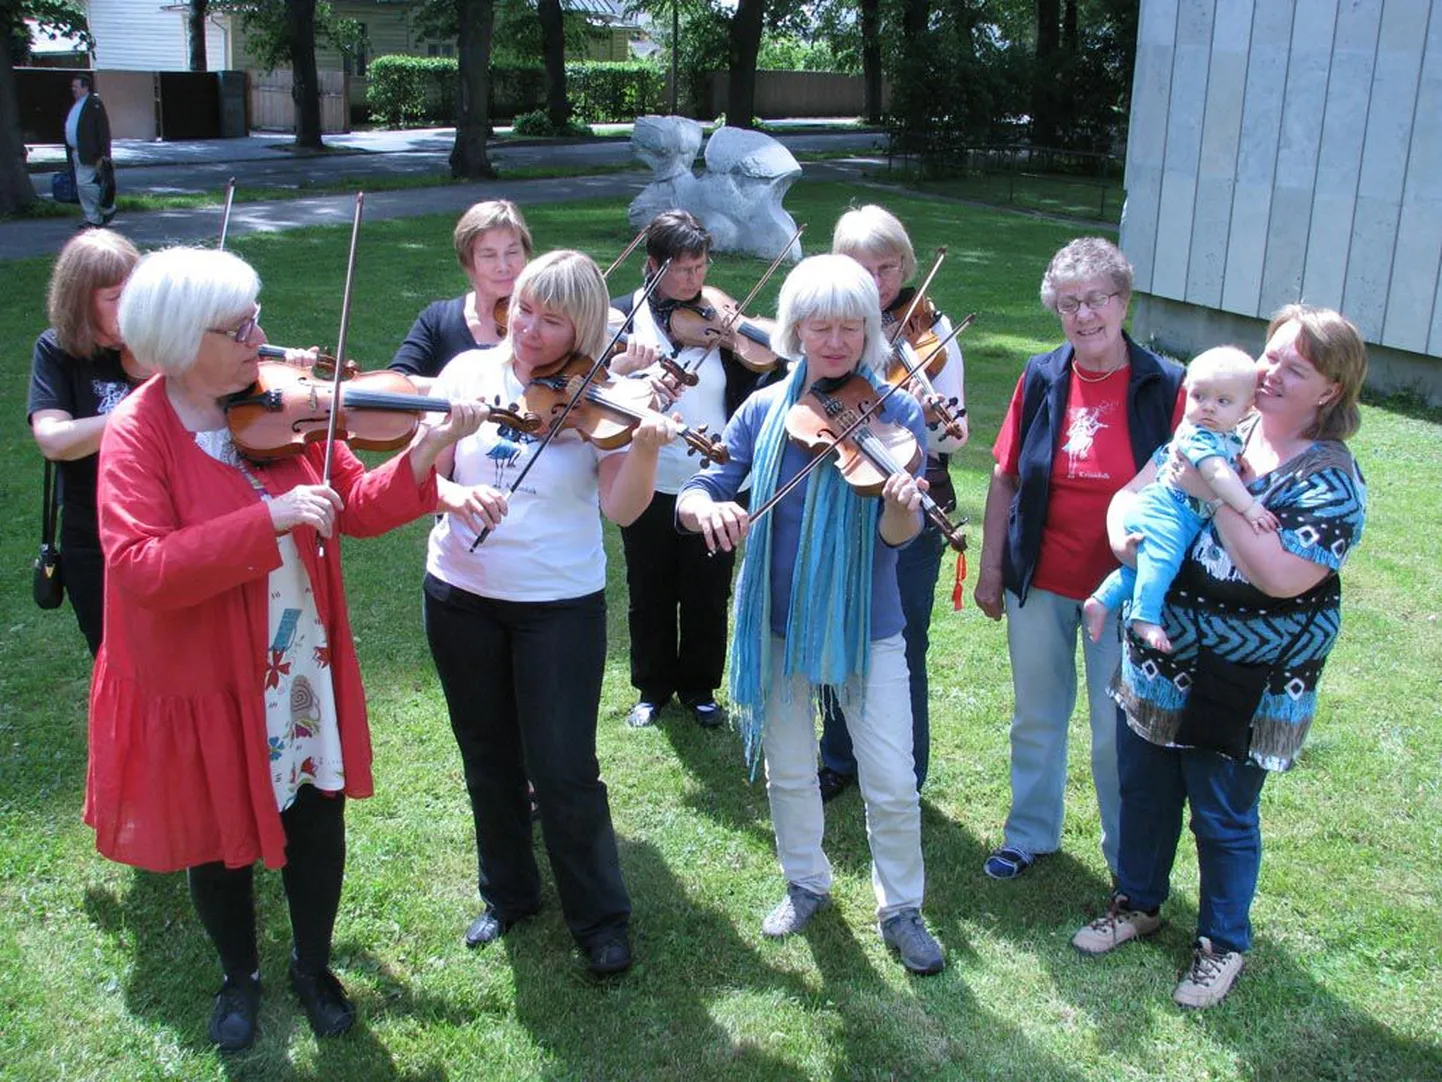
[(876, 232), (1334, 347), (90, 261), (1223, 364), (830, 287), (1083, 258), (568, 281), (175, 295), (482, 218)]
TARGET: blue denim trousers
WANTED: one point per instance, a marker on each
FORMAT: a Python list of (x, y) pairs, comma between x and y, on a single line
[(1041, 639), (917, 568), (1224, 795)]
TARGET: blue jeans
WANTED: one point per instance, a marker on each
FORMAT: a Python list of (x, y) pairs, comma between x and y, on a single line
[(1224, 795), (917, 568), (1041, 638)]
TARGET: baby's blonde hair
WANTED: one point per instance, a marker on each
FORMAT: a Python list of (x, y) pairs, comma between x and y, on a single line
[(1230, 364)]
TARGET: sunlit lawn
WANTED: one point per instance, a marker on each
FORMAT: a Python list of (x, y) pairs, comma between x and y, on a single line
[(105, 973)]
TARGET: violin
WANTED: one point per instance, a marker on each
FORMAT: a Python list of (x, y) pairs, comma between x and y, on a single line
[(288, 408), (322, 367), (715, 319), (914, 340), (501, 313), (610, 410), (841, 414)]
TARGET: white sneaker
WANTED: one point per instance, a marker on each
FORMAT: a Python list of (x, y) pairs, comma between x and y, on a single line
[(1210, 977), (1120, 925)]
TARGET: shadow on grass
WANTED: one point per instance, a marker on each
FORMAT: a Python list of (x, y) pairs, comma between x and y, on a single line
[(173, 974), (656, 1021)]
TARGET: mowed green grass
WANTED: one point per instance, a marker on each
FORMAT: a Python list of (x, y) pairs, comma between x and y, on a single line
[(106, 974)]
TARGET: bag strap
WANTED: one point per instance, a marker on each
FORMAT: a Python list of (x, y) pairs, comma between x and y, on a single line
[(50, 505)]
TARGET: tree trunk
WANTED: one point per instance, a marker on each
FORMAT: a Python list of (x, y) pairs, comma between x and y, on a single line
[(871, 58), (473, 48), (553, 48), (1044, 100), (1069, 34), (745, 45), (195, 25), (305, 89), (17, 191)]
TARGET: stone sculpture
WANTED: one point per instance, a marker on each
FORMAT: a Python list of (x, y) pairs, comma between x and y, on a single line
[(739, 195)]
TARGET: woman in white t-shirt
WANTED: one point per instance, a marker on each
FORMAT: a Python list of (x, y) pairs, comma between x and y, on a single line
[(517, 625)]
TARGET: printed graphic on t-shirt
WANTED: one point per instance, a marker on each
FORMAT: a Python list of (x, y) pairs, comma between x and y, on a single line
[(1083, 424), (108, 394), (506, 453)]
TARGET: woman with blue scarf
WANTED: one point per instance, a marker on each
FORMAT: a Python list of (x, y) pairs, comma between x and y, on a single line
[(817, 606)]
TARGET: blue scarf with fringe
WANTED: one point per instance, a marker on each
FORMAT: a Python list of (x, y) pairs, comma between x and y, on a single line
[(828, 628)]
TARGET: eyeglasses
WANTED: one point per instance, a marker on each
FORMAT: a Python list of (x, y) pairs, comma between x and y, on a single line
[(242, 334), (1069, 306), (690, 269)]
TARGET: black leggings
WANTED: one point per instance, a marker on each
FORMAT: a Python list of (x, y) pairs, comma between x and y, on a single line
[(224, 897)]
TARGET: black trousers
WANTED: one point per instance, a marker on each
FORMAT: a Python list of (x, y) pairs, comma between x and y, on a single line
[(679, 605), (522, 682), (314, 868), (83, 565)]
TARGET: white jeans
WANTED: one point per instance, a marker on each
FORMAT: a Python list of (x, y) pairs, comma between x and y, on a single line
[(1041, 636), (880, 728)]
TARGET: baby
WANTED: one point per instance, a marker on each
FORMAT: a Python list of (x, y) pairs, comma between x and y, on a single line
[(1220, 384)]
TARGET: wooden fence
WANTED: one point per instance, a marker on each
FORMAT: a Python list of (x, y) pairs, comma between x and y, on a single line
[(272, 109)]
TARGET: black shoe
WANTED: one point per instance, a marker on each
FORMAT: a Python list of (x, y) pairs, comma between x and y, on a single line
[(327, 1007), (708, 714), (232, 1022), (489, 927), (609, 956), (106, 219), (832, 783)]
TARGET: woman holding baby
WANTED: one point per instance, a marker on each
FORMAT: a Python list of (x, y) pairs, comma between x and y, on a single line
[(1228, 692)]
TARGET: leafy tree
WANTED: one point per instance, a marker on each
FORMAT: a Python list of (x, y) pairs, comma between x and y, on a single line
[(55, 18)]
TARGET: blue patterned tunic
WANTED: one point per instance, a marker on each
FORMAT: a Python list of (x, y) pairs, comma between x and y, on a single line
[(1319, 498)]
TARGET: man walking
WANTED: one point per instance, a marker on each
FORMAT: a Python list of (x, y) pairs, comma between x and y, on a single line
[(87, 144)]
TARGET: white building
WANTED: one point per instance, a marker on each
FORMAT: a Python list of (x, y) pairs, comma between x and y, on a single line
[(1289, 150)]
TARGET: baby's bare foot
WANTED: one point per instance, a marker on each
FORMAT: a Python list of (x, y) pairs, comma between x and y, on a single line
[(1152, 635), (1094, 616)]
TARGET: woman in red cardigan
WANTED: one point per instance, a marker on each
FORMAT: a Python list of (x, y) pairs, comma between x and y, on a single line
[(227, 717)]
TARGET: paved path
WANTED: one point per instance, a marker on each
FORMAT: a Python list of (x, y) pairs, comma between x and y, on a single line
[(260, 161)]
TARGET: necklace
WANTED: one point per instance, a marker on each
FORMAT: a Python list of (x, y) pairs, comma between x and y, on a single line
[(1077, 371)]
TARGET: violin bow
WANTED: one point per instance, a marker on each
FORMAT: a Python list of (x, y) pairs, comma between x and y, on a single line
[(335, 389), (735, 317), (559, 422), (917, 297), (637, 239), (225, 214)]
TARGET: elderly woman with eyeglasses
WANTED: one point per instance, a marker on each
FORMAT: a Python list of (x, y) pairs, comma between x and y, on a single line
[(227, 717), (1083, 420)]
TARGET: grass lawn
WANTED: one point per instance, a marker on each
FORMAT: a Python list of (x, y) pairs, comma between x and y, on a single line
[(106, 974)]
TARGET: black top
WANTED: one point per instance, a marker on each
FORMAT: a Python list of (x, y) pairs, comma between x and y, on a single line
[(438, 334), (82, 388)]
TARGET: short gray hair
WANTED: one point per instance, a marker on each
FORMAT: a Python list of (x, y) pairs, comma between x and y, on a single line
[(1083, 258), (830, 287), (175, 295)]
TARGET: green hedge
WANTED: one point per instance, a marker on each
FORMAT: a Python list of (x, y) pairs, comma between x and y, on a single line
[(408, 91)]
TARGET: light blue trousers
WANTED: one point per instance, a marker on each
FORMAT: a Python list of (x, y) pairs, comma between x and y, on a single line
[(1042, 637)]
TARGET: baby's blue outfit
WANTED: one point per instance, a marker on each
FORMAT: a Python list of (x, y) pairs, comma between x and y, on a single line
[(1168, 520)]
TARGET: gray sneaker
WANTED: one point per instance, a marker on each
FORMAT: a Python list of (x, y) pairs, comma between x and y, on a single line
[(906, 934), (793, 912)]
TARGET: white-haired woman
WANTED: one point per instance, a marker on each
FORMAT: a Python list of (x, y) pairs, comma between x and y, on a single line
[(517, 624), (1083, 419), (876, 239), (227, 717), (841, 629)]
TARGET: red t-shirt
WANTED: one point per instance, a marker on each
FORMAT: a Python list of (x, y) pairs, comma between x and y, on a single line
[(1093, 460)]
